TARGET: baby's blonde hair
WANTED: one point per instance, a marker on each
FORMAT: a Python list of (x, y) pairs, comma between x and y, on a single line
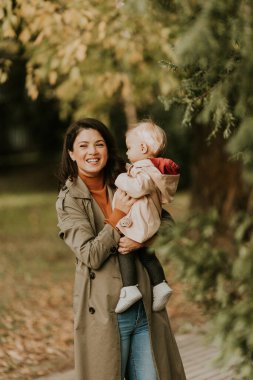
[(154, 136)]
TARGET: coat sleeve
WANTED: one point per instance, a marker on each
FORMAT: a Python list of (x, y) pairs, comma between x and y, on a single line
[(78, 233), (135, 186)]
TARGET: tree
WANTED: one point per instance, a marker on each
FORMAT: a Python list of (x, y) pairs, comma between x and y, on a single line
[(87, 54), (212, 66), (211, 52)]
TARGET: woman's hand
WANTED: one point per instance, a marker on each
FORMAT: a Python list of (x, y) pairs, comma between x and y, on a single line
[(127, 245), (122, 201)]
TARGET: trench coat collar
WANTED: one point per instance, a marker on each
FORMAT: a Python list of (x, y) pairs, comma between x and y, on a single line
[(78, 189)]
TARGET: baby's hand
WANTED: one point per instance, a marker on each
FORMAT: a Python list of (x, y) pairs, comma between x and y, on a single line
[(122, 201)]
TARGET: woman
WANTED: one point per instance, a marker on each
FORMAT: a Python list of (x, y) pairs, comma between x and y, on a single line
[(137, 344)]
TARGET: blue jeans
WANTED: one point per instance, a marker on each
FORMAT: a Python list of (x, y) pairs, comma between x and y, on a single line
[(136, 356)]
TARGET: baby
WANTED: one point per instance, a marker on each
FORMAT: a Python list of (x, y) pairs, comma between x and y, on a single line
[(153, 181)]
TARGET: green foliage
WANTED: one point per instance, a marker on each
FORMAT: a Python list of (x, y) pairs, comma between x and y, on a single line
[(87, 54), (210, 72), (216, 263), (211, 67), (242, 141), (207, 54)]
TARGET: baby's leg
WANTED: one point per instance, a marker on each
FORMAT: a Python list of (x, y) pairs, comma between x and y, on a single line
[(154, 268), (129, 293), (161, 290), (128, 269)]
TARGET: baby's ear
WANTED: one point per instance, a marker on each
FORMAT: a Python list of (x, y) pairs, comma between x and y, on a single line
[(144, 148)]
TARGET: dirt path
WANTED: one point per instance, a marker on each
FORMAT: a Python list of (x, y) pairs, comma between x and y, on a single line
[(198, 359)]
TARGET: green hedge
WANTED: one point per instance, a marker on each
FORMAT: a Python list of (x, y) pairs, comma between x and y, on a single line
[(217, 265)]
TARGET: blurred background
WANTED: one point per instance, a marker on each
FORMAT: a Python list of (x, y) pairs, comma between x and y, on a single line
[(189, 66)]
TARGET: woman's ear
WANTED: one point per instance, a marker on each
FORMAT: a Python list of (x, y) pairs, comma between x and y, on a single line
[(144, 148), (71, 154)]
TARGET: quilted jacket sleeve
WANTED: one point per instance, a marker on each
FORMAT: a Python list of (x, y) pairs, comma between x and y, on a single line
[(135, 186)]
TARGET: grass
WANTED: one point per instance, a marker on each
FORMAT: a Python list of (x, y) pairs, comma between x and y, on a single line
[(30, 242), (36, 277)]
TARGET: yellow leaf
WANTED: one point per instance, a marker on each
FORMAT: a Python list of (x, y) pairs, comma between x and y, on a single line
[(1, 14), (81, 52), (52, 77), (7, 29), (15, 355), (75, 74), (101, 30), (28, 10), (3, 76), (25, 35)]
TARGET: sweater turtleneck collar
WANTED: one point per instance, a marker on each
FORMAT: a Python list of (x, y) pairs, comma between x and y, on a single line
[(98, 190), (93, 183)]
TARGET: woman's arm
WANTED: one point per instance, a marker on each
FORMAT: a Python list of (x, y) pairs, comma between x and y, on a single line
[(79, 234)]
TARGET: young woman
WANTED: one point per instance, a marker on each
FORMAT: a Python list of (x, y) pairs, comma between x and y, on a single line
[(137, 344)]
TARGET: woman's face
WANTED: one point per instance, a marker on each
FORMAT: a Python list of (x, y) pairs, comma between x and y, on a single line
[(90, 152)]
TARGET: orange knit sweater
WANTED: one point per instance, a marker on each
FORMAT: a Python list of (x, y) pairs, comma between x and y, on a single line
[(98, 190)]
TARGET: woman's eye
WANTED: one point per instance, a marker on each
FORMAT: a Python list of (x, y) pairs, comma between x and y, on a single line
[(100, 145)]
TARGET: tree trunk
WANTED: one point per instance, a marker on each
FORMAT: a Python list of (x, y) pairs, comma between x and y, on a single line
[(128, 101), (118, 124), (216, 180), (130, 112)]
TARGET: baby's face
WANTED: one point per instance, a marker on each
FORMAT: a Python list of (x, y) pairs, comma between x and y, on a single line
[(134, 151)]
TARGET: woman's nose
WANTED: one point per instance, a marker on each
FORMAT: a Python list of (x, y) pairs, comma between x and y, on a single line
[(92, 149)]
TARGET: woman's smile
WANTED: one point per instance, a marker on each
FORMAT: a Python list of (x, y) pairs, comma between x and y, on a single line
[(89, 152), (92, 160)]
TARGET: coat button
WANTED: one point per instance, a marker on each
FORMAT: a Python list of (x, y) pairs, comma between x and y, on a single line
[(126, 222), (92, 275), (91, 310), (114, 250)]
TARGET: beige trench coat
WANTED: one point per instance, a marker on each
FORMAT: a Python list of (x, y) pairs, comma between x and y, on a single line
[(96, 292)]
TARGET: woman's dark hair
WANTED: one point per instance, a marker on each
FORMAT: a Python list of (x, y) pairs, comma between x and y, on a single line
[(68, 168)]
